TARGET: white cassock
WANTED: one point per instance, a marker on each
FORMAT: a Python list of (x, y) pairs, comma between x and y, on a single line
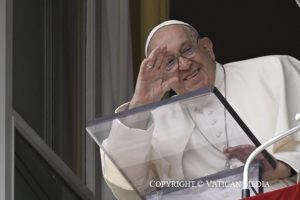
[(265, 93)]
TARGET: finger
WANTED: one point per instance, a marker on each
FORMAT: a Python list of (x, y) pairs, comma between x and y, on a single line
[(153, 56), (160, 63), (227, 150), (260, 157), (145, 66), (227, 155), (159, 58), (169, 83), (240, 152), (239, 148), (238, 155), (164, 62)]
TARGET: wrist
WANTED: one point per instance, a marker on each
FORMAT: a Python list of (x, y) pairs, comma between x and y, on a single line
[(140, 102)]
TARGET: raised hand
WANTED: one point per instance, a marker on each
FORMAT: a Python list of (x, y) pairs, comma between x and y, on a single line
[(151, 83)]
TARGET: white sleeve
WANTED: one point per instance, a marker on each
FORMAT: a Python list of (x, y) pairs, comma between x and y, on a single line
[(139, 120), (290, 154), (129, 149), (288, 151)]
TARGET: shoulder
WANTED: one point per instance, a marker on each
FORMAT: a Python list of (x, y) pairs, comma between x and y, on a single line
[(271, 60), (273, 64)]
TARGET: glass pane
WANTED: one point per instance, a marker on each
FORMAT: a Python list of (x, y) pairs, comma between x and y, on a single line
[(28, 62), (178, 139), (49, 73), (220, 186), (34, 178)]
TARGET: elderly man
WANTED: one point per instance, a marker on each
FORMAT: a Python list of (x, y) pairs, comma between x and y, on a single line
[(263, 91)]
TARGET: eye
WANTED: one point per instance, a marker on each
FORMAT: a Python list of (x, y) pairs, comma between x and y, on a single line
[(170, 63), (187, 51)]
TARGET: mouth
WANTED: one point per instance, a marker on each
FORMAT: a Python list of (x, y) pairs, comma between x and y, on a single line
[(192, 75)]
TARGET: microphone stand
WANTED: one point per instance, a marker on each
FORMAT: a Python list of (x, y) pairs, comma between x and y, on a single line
[(245, 189)]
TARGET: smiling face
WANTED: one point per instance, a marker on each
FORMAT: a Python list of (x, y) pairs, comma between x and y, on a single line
[(194, 71)]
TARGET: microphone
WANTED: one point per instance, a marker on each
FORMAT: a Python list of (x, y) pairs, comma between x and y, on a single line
[(245, 189)]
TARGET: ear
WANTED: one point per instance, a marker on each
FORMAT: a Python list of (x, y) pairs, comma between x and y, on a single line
[(207, 44)]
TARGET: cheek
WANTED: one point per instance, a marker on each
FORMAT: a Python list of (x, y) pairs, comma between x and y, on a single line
[(206, 77), (208, 70)]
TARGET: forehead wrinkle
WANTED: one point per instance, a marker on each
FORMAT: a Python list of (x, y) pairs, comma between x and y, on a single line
[(182, 45), (179, 30)]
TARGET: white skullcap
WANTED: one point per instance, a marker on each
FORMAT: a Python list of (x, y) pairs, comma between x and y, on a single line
[(165, 23)]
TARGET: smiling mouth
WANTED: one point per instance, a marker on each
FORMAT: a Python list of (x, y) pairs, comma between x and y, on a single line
[(192, 75)]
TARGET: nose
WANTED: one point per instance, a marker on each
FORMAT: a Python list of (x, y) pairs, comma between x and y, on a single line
[(183, 63)]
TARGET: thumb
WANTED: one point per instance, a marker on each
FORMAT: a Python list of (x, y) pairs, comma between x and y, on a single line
[(168, 84)]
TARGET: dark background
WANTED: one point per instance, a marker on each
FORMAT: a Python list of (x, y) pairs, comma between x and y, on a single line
[(244, 29), (49, 95)]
